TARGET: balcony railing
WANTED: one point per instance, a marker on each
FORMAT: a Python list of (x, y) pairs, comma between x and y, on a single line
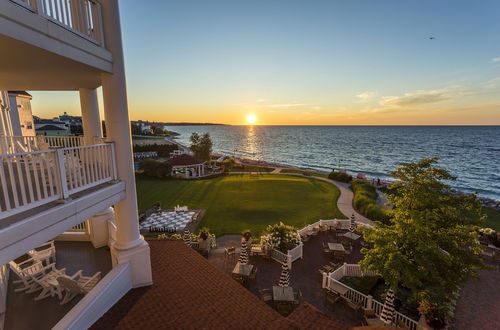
[(83, 17), (35, 178), (19, 144)]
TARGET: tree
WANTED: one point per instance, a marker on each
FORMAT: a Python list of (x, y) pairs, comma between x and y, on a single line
[(201, 146), (431, 245), (155, 168)]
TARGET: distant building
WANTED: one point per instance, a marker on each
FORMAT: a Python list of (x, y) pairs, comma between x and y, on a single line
[(70, 120), (20, 113), (51, 127)]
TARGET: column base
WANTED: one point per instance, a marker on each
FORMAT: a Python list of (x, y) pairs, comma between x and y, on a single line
[(140, 263), (98, 227)]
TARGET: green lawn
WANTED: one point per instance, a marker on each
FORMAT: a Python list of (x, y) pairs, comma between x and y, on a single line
[(295, 171), (492, 218), (238, 202), (251, 168)]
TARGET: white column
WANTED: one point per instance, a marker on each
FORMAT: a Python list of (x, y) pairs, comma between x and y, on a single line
[(90, 115), (129, 246)]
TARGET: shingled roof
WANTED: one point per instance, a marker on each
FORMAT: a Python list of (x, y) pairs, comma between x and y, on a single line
[(190, 292)]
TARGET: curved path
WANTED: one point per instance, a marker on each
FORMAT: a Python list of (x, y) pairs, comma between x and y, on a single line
[(344, 203)]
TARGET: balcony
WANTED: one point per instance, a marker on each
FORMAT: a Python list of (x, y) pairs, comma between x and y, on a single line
[(59, 44), (45, 192)]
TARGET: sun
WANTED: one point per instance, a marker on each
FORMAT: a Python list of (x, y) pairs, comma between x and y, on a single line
[(251, 119)]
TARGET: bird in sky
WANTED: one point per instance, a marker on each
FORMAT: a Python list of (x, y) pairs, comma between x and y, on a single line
[(432, 38)]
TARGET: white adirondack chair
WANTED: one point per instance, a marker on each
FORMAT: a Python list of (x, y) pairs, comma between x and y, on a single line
[(77, 284), (47, 281), (44, 253), (24, 271)]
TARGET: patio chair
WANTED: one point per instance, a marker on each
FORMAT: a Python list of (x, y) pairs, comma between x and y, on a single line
[(297, 297), (238, 278), (47, 281), (24, 270), (45, 252), (331, 298), (266, 295), (285, 309), (326, 249), (355, 305), (77, 284), (230, 253), (253, 274)]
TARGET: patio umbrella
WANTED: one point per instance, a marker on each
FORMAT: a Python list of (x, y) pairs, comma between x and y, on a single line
[(285, 275), (187, 237), (243, 253), (387, 314), (352, 228)]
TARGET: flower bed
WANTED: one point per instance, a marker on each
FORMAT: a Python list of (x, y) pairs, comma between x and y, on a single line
[(280, 237)]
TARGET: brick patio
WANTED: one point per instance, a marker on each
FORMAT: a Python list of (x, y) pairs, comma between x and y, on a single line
[(304, 273)]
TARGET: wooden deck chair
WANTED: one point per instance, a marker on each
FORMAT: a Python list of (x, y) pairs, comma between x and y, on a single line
[(24, 270), (266, 295), (77, 284), (46, 280), (44, 253)]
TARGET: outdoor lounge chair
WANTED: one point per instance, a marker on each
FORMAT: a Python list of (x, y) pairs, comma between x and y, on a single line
[(253, 274), (266, 295), (24, 270), (46, 281), (297, 297), (45, 253), (77, 284)]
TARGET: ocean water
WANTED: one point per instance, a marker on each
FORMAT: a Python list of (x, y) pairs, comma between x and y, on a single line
[(472, 153)]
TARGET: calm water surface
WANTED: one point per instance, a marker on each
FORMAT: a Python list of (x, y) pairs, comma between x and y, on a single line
[(471, 153)]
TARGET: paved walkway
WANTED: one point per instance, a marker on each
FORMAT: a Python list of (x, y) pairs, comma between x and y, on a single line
[(478, 306), (277, 170)]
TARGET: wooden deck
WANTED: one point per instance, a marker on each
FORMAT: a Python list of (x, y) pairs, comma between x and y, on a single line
[(24, 313)]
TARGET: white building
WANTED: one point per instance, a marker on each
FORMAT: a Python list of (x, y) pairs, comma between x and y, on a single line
[(85, 189), (20, 112)]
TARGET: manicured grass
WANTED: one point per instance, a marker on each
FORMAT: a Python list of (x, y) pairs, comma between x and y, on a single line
[(492, 218), (251, 168), (238, 202), (311, 173)]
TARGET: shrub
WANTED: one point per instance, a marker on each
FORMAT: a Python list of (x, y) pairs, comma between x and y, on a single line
[(163, 150), (339, 176), (156, 169), (280, 237), (365, 201)]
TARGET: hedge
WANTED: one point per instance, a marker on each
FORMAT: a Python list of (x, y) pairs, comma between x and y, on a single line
[(155, 168), (365, 201), (339, 176)]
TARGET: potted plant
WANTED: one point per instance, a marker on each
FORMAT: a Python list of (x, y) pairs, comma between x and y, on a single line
[(435, 316)]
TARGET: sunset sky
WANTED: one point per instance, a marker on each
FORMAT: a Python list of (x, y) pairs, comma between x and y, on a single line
[(308, 62)]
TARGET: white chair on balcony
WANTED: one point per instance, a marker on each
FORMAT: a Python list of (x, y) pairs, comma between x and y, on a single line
[(47, 281), (24, 271), (44, 253), (77, 284)]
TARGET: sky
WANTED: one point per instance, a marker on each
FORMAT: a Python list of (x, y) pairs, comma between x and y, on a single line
[(304, 62)]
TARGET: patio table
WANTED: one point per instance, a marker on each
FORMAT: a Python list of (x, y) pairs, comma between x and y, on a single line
[(242, 270), (336, 247), (352, 236), (283, 294), (336, 287)]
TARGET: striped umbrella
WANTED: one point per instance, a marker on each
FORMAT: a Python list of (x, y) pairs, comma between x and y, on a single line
[(244, 253), (187, 237), (285, 275), (352, 228), (387, 314)]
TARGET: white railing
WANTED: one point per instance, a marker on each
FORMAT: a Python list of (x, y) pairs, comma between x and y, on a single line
[(296, 252), (367, 301), (289, 257), (32, 179), (83, 17), (79, 227), (337, 223), (18, 144), (63, 141)]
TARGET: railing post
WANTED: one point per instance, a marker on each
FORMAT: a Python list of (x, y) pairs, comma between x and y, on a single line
[(369, 302), (324, 283), (62, 173), (113, 160), (39, 7), (289, 261)]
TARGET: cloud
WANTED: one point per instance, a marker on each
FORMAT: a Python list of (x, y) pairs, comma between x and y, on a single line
[(495, 59), (492, 83), (366, 96), (421, 97)]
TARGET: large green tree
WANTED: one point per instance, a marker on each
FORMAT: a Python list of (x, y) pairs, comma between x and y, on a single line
[(431, 245), (201, 146)]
